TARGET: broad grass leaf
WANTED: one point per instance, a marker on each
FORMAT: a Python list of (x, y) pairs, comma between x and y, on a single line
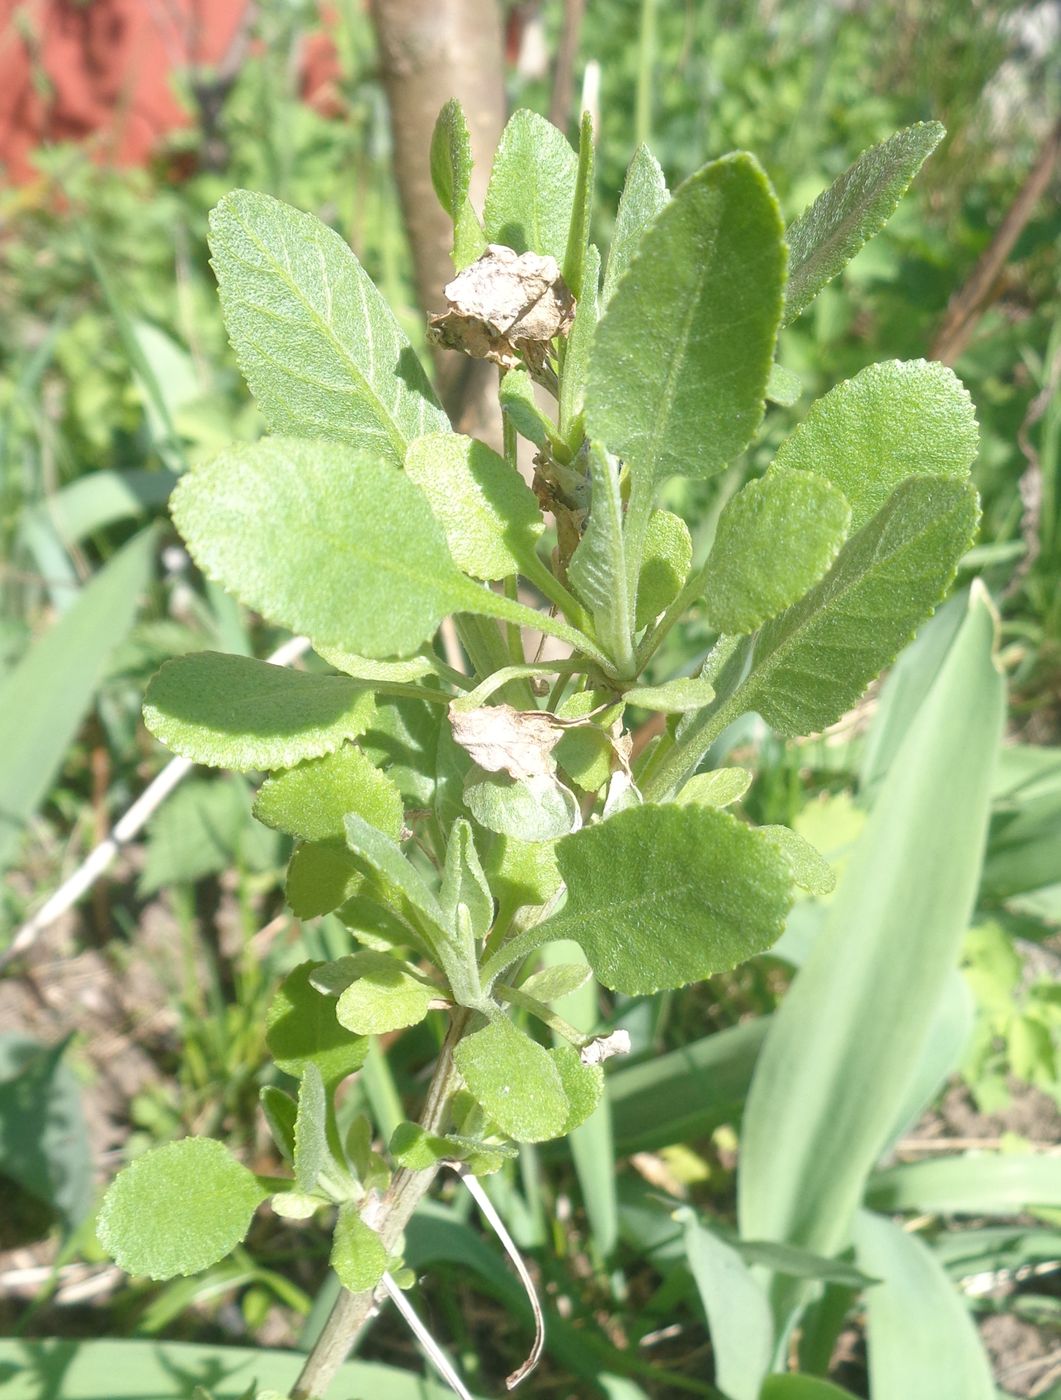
[(895, 419), (813, 661), (515, 1080), (922, 1338), (775, 539), (178, 1209), (682, 354), (310, 801), (664, 896), (488, 513), (318, 345), (532, 187), (738, 1311), (644, 194), (358, 1256), (44, 699), (971, 1183), (847, 1042), (856, 206), (236, 712)]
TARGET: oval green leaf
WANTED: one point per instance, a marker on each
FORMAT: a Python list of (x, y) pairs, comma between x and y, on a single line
[(178, 1209)]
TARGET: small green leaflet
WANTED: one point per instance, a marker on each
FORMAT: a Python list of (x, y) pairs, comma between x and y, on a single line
[(311, 1129), (810, 870), (488, 513), (893, 420), (583, 1085), (380, 995), (598, 566), (178, 1209), (716, 789), (644, 195), (320, 877), (532, 187), (311, 800), (675, 697), (854, 207), (775, 539), (301, 1029), (574, 269), (451, 174), (814, 660), (515, 1080), (668, 553), (663, 896), (318, 345), (235, 712), (358, 1256), (529, 809)]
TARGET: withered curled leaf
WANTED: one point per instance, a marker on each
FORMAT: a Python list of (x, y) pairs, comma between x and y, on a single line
[(502, 739), (504, 306)]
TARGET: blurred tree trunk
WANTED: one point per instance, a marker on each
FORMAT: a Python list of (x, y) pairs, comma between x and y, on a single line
[(430, 51)]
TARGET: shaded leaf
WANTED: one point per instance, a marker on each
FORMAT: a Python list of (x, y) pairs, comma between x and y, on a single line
[(515, 1080), (311, 800), (716, 789), (488, 513), (235, 712), (529, 809), (675, 697), (301, 1028), (810, 870), (775, 539), (320, 877), (583, 1084), (665, 562), (738, 1311)]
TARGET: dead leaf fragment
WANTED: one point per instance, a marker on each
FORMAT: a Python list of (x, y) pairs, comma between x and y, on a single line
[(502, 739), (604, 1047), (504, 306)]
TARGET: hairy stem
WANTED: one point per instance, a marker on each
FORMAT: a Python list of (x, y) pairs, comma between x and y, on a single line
[(389, 1218)]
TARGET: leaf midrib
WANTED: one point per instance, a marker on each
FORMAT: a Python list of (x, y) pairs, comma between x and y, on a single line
[(398, 438)]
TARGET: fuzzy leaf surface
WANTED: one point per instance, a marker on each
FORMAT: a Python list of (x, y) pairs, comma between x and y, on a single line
[(532, 187), (178, 1209), (311, 1135), (682, 354), (488, 513), (342, 548), (856, 206), (310, 801), (236, 712), (598, 566), (464, 883), (716, 789), (318, 345), (530, 809), (644, 195), (810, 870), (668, 553), (358, 1256), (675, 697), (664, 896), (895, 419), (515, 1080), (814, 660), (451, 175), (583, 1085), (776, 538), (381, 996)]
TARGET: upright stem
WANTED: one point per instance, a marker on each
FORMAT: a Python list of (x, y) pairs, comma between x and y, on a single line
[(389, 1218)]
